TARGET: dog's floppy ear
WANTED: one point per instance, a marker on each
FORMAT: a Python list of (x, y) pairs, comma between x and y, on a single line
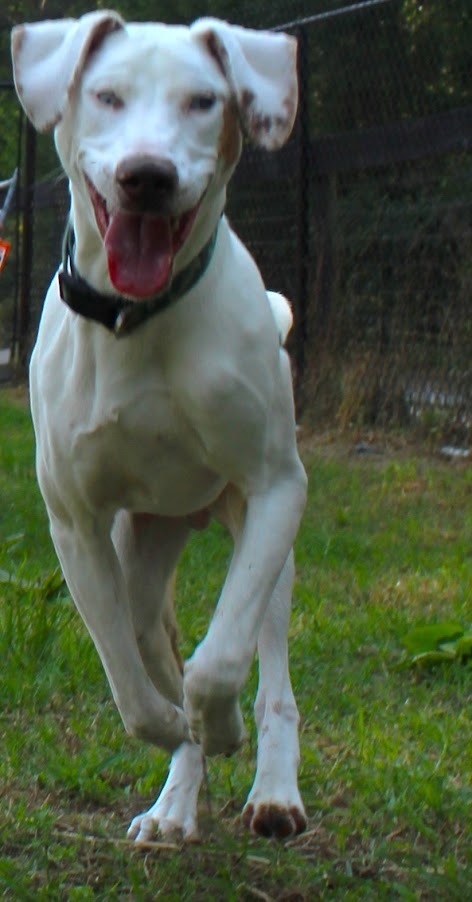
[(261, 68), (48, 58)]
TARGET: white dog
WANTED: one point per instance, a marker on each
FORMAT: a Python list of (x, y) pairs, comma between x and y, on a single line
[(161, 394)]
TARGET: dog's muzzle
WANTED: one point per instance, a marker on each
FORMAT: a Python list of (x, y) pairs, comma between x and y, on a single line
[(140, 233), (146, 184)]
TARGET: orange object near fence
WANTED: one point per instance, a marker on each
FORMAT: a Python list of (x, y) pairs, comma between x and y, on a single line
[(4, 251)]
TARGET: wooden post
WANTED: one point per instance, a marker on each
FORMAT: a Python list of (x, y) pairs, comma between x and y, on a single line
[(324, 219)]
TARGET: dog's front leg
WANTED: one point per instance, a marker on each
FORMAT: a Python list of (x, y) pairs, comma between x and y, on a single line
[(95, 580), (217, 670), (274, 806), (174, 813)]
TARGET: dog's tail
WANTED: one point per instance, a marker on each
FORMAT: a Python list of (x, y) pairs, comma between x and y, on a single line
[(282, 313)]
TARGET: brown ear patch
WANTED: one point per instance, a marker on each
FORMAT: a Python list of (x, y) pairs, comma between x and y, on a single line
[(216, 50), (256, 123), (290, 106), (18, 36), (229, 146), (97, 36), (266, 130), (17, 40)]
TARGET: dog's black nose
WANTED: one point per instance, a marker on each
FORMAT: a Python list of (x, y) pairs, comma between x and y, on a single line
[(146, 183)]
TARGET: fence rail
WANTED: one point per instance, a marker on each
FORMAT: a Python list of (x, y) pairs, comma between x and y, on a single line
[(398, 142)]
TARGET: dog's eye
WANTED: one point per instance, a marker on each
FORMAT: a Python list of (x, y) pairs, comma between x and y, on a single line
[(200, 103), (110, 99)]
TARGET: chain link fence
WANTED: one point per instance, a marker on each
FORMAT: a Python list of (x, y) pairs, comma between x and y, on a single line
[(389, 319), (363, 220)]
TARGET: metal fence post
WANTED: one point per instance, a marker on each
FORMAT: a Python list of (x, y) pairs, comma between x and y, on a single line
[(302, 215), (27, 212)]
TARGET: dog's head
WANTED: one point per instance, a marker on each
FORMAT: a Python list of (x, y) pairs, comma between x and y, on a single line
[(148, 124)]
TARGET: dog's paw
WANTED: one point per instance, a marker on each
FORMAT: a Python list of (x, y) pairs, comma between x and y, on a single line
[(274, 807), (273, 820), (174, 814), (146, 827)]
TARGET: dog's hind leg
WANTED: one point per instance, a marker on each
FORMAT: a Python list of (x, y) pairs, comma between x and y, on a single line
[(274, 806), (148, 548)]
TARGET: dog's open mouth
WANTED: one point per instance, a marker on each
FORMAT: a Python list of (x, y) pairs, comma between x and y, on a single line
[(140, 247)]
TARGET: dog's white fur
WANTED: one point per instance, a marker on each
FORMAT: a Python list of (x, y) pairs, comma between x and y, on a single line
[(193, 412)]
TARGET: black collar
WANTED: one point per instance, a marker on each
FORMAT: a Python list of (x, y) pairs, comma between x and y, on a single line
[(116, 313)]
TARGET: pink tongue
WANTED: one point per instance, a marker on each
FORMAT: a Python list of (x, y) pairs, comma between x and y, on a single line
[(139, 251)]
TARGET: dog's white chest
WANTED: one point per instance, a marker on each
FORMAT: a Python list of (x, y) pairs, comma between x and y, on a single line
[(142, 456)]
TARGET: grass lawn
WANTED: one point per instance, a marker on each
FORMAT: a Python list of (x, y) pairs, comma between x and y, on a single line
[(386, 751)]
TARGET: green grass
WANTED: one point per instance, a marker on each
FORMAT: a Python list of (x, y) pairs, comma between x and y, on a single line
[(386, 752)]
